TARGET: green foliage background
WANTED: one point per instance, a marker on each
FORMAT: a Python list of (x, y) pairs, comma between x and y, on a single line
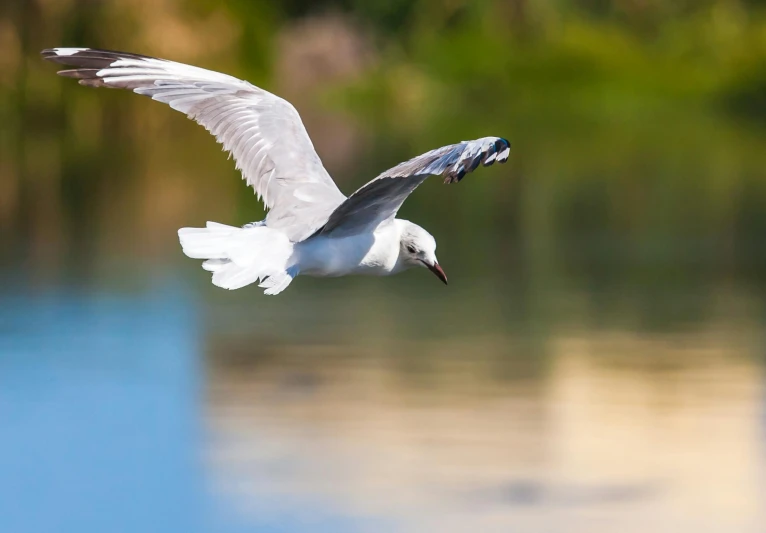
[(637, 126)]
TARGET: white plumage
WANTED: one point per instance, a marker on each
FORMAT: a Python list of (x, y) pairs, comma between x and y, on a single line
[(240, 256), (311, 227)]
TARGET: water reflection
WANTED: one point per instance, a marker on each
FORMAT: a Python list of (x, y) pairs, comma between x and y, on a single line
[(99, 395), (381, 405), (609, 430)]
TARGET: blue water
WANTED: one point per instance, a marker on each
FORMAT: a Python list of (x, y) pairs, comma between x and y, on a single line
[(100, 401), (180, 408)]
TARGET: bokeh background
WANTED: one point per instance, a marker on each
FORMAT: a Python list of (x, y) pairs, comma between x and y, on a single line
[(596, 363)]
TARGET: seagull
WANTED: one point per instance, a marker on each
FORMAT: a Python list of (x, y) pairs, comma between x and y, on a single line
[(311, 227)]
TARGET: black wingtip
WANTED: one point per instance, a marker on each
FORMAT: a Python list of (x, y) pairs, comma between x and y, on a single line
[(87, 57), (503, 149), (61, 53)]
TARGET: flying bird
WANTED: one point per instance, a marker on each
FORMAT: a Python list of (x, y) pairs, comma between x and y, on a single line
[(311, 227)]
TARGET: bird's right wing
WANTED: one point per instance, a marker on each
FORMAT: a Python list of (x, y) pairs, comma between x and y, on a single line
[(379, 200), (263, 132)]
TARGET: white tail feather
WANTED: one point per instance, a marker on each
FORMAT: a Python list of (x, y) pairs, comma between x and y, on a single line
[(241, 256), (213, 265)]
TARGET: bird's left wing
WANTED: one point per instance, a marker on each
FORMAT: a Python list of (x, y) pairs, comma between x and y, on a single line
[(380, 199), (262, 131)]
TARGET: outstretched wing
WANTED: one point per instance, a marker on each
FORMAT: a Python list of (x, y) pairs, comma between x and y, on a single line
[(263, 132), (380, 199)]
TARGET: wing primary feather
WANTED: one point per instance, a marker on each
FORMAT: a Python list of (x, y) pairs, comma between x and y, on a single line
[(262, 132), (380, 199)]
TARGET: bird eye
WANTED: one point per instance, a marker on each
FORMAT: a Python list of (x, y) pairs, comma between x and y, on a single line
[(411, 249)]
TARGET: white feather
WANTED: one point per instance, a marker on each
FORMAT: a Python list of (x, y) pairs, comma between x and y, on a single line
[(241, 256), (67, 51)]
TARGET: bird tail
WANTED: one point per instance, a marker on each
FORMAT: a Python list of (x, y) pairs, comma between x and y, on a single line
[(241, 256)]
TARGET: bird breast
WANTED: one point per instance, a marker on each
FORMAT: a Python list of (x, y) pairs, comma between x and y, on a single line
[(374, 253)]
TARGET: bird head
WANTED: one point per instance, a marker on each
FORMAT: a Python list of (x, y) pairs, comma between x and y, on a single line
[(417, 247)]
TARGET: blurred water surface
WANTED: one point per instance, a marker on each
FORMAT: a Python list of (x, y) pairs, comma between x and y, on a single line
[(377, 405)]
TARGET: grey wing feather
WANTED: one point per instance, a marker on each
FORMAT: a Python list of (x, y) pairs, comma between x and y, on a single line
[(380, 199), (263, 132)]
